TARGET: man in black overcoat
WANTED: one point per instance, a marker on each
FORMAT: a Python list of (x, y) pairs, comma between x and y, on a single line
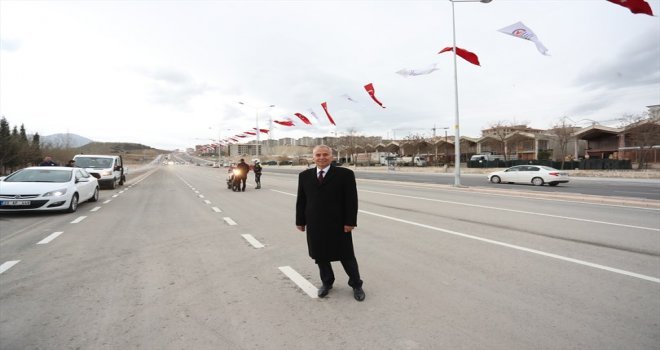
[(326, 207)]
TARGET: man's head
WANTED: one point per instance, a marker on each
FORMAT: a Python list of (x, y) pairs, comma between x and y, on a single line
[(242, 160), (322, 155)]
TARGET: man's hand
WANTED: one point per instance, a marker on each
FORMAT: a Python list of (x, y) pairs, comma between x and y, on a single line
[(348, 229), (301, 228)]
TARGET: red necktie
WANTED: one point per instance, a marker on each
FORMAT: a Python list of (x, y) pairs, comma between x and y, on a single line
[(321, 176)]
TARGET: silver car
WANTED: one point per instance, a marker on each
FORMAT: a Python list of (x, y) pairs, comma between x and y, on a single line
[(536, 175), (47, 188)]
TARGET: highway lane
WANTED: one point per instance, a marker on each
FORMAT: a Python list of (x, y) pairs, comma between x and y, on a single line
[(611, 187), (163, 266)]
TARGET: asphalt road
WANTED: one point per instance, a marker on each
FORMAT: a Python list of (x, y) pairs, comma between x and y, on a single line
[(163, 263), (609, 187)]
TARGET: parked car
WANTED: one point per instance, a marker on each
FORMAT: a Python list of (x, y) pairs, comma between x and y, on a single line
[(47, 188), (536, 175), (109, 170)]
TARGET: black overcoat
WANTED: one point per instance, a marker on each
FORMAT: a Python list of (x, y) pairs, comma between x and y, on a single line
[(324, 209)]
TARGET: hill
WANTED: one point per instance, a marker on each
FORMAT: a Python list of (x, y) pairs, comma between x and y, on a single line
[(67, 140), (131, 152)]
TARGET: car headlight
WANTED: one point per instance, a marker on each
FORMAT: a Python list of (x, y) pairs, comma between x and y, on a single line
[(55, 193), (106, 173)]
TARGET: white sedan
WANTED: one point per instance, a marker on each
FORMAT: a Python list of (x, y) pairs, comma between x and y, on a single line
[(47, 188), (536, 175)]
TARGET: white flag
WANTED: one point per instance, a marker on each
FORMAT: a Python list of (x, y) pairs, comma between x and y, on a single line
[(522, 31), (414, 72), (311, 111)]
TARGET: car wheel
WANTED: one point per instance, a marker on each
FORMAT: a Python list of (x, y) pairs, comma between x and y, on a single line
[(95, 196), (73, 206), (495, 179), (113, 184), (122, 179), (537, 181), (553, 183)]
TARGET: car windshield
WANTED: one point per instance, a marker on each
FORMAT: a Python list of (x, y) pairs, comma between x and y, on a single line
[(40, 175), (93, 162)]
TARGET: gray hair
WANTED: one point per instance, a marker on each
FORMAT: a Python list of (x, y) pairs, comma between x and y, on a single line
[(321, 146)]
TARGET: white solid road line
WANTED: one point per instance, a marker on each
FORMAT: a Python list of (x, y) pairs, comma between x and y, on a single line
[(253, 241), (300, 281), (514, 211), (533, 251), (95, 209), (229, 221), (79, 219), (51, 237), (517, 247), (217, 210), (8, 265)]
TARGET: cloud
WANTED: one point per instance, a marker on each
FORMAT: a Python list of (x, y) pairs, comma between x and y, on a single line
[(636, 64), (173, 87)]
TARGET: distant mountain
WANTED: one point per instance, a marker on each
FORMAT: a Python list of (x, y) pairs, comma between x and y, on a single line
[(64, 141)]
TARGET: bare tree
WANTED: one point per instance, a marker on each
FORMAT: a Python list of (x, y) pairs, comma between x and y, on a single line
[(563, 130), (643, 132), (500, 130)]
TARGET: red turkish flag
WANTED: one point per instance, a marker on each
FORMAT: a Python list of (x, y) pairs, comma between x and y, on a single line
[(303, 118), (250, 133), (635, 6), (265, 131), (284, 122), (325, 108), (370, 90), (465, 54)]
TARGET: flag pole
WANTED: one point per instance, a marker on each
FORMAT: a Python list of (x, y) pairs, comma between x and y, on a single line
[(457, 133)]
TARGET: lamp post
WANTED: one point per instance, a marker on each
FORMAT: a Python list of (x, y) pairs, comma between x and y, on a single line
[(445, 128), (256, 110), (457, 134)]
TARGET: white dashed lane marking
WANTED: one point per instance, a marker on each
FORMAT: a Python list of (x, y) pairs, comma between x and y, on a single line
[(8, 265), (79, 219), (229, 221), (217, 210), (300, 281), (51, 237), (255, 243)]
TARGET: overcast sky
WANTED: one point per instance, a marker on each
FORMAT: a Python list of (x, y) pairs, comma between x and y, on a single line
[(169, 74)]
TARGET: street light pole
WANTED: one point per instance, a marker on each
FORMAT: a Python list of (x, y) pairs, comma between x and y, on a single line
[(256, 110), (457, 133)]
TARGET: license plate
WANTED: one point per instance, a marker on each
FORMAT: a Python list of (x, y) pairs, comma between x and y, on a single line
[(15, 203)]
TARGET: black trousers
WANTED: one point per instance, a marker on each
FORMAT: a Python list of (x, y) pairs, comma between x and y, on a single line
[(257, 179), (350, 266), (243, 180)]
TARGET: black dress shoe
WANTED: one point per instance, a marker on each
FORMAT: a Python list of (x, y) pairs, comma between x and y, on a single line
[(358, 293), (324, 290)]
